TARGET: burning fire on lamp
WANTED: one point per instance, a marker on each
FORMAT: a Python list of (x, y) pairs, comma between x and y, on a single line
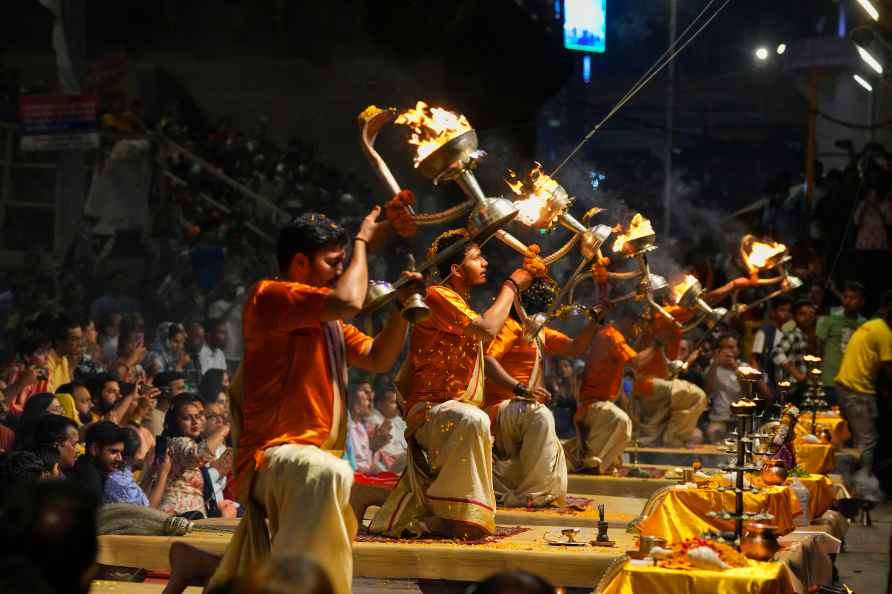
[(636, 241), (544, 203), (760, 256), (688, 293), (446, 150)]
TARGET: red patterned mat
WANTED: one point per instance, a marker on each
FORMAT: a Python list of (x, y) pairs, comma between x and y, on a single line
[(572, 505), (502, 532)]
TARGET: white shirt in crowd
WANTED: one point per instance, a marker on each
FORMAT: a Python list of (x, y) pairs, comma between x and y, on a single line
[(231, 313), (210, 358), (391, 457), (218, 480), (726, 391), (759, 341), (359, 442)]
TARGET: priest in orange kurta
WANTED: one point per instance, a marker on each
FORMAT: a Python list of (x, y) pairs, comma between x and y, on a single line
[(603, 430), (447, 486), (667, 409), (289, 411), (530, 469)]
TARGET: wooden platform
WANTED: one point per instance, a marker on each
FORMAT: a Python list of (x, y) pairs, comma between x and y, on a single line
[(709, 455), (565, 566), (619, 511), (110, 587), (587, 485)]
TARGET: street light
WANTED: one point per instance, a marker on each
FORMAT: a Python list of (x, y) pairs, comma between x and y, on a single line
[(762, 53), (781, 49), (870, 9), (863, 83)]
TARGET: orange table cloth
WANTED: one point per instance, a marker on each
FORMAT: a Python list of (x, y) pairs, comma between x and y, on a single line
[(837, 425), (757, 578), (815, 458), (681, 512)]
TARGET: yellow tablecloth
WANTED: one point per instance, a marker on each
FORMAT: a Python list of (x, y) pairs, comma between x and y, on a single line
[(815, 458), (681, 513), (837, 425), (758, 578), (821, 491)]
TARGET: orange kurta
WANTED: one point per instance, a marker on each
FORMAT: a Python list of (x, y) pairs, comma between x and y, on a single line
[(288, 383), (607, 357), (517, 356), (671, 336), (442, 358)]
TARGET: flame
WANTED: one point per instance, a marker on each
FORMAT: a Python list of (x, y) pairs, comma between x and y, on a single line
[(432, 127), (760, 253), (538, 188), (638, 227), (680, 288)]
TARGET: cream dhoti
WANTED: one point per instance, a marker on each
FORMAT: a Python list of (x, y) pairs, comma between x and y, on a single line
[(670, 412), (530, 469), (302, 493), (603, 431), (448, 475)]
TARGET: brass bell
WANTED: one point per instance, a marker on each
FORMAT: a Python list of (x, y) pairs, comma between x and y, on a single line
[(415, 309)]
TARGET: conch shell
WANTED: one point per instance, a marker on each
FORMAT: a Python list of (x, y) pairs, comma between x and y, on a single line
[(706, 558)]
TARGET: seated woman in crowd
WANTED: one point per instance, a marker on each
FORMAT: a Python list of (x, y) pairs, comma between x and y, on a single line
[(37, 407), (183, 426), (131, 352), (169, 350)]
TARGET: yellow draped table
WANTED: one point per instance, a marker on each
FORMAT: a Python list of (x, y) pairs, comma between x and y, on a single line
[(678, 513), (821, 492), (757, 578), (814, 458), (838, 426)]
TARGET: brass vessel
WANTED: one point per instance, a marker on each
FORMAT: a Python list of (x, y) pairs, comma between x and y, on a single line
[(774, 472), (759, 542)]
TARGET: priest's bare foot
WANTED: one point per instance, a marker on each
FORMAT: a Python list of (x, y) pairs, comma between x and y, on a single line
[(364, 496), (189, 567)]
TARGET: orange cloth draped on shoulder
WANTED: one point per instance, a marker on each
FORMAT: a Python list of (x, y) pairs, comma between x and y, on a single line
[(837, 425), (670, 335), (442, 358), (518, 356), (814, 458), (682, 512), (607, 356), (288, 383), (756, 578)]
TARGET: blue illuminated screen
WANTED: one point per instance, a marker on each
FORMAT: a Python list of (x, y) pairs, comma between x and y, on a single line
[(585, 25)]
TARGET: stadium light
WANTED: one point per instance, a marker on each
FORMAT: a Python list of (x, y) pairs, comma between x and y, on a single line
[(870, 9), (869, 59), (863, 83), (762, 53)]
